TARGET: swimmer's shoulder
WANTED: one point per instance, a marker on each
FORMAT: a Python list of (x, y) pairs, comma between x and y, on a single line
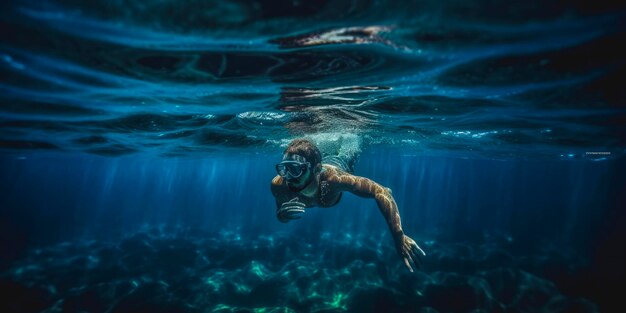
[(277, 184), (332, 173), (277, 180)]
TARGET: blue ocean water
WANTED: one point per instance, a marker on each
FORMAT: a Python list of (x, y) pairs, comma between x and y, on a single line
[(138, 142)]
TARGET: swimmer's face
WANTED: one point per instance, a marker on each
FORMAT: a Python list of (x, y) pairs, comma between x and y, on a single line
[(297, 184)]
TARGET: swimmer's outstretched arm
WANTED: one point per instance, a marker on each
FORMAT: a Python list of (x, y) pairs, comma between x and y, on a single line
[(365, 187)]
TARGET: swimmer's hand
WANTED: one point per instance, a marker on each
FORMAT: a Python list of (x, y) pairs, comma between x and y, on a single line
[(410, 252), (290, 210)]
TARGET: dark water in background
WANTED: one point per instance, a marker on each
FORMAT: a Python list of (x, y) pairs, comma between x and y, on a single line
[(138, 141)]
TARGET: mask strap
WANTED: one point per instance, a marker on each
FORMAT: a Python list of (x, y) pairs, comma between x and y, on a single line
[(294, 157)]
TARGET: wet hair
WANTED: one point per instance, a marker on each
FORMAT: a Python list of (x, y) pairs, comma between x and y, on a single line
[(305, 148)]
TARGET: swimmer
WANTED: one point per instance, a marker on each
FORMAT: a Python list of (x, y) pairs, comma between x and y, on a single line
[(306, 180)]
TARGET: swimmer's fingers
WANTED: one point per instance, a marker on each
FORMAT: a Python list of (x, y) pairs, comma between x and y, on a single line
[(292, 208), (410, 259), (294, 212), (418, 253), (419, 250), (295, 208), (290, 212), (406, 262), (294, 201), (411, 253), (410, 262), (291, 205), (415, 255)]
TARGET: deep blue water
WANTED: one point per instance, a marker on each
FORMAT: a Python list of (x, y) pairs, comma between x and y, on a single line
[(138, 142)]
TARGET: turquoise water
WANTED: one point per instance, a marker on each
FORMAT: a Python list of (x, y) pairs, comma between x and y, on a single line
[(138, 142)]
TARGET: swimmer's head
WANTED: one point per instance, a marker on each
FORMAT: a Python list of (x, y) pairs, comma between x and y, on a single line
[(303, 151)]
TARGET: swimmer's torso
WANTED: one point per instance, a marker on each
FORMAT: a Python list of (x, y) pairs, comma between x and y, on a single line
[(325, 196)]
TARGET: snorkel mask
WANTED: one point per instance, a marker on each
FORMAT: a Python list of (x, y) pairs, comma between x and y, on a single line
[(294, 167)]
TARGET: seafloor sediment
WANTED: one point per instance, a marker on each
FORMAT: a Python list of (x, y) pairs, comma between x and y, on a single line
[(181, 271)]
